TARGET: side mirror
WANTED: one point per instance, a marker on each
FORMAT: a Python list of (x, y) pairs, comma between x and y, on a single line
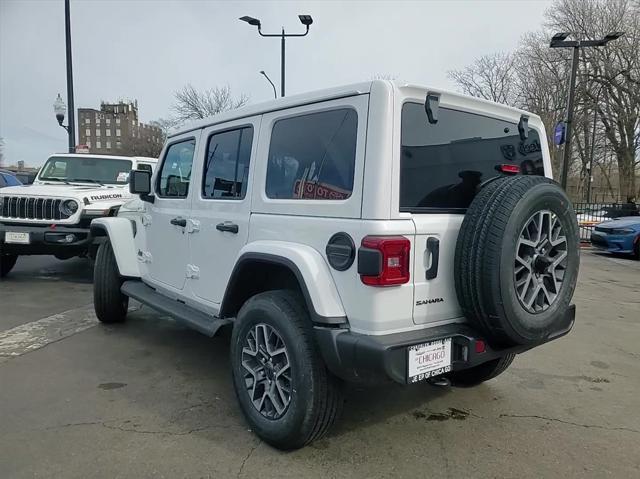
[(140, 184)]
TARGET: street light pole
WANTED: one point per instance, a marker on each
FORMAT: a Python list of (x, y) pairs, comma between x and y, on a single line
[(72, 114), (559, 40), (306, 20), (275, 93), (282, 63), (566, 154)]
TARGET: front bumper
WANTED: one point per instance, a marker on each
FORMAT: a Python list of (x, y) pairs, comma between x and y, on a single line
[(46, 240), (359, 357), (613, 243)]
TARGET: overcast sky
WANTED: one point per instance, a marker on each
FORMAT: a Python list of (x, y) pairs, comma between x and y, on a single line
[(147, 49)]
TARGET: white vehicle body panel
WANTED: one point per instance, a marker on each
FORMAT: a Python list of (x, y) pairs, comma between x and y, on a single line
[(120, 235), (299, 230)]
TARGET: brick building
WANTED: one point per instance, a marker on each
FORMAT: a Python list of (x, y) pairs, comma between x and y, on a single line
[(115, 129)]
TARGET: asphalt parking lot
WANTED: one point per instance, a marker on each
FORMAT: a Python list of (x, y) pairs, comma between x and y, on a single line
[(150, 398)]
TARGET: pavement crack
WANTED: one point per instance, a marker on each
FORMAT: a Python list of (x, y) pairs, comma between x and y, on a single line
[(570, 423), (244, 461)]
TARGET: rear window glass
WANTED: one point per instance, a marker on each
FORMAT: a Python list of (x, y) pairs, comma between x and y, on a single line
[(442, 165), (313, 156)]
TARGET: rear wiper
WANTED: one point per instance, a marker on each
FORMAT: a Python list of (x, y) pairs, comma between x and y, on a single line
[(86, 180)]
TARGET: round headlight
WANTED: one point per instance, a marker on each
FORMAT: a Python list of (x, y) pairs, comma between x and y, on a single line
[(68, 207)]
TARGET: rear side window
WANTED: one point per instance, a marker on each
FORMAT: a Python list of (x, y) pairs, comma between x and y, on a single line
[(442, 164), (313, 156), (226, 167), (175, 175)]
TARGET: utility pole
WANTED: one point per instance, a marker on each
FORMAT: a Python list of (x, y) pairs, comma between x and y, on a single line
[(72, 114)]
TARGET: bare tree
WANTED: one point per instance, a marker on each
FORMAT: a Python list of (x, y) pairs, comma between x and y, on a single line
[(491, 77), (1, 151), (191, 104), (612, 73)]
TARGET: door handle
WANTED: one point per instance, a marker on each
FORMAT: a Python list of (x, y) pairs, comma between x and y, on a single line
[(179, 222), (433, 248), (230, 227)]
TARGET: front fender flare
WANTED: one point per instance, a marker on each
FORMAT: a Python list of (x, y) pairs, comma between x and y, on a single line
[(309, 267), (120, 234)]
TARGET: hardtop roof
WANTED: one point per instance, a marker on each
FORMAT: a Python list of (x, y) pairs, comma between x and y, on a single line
[(331, 94)]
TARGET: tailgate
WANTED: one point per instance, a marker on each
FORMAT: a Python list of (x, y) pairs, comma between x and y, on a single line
[(433, 270)]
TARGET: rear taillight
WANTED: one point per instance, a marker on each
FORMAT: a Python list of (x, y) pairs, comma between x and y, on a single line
[(384, 260), (509, 169)]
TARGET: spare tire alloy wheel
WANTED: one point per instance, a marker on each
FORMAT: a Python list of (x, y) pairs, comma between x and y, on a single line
[(268, 373), (517, 260), (541, 261)]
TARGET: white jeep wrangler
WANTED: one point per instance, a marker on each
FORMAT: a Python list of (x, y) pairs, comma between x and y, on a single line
[(374, 231), (53, 215)]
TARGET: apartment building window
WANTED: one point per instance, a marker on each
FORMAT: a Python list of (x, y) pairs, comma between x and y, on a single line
[(117, 131), (117, 121), (87, 121), (87, 132), (108, 132), (97, 120), (98, 144), (97, 131), (88, 143), (118, 144), (108, 121), (108, 143)]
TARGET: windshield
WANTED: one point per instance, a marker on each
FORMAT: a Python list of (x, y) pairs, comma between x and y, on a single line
[(86, 170), (443, 165)]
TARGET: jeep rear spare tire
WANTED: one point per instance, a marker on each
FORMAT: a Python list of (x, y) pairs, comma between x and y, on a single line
[(517, 259)]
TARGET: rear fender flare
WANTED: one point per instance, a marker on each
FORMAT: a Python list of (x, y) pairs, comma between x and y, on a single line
[(309, 268), (120, 234)]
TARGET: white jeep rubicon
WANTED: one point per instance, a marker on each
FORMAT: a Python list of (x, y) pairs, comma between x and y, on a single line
[(374, 231), (53, 215)]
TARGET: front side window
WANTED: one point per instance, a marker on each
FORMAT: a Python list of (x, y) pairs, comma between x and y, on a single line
[(313, 156), (226, 168), (443, 164), (86, 170), (176, 170)]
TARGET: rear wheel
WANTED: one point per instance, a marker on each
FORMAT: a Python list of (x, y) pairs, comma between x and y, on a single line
[(481, 373), (636, 248), (7, 262), (284, 389), (109, 303)]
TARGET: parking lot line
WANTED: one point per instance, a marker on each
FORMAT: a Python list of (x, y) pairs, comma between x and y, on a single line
[(37, 334)]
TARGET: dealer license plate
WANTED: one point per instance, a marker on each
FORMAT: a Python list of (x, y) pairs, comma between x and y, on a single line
[(14, 237), (429, 359)]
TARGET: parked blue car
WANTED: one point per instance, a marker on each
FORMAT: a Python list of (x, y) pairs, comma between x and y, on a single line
[(621, 235)]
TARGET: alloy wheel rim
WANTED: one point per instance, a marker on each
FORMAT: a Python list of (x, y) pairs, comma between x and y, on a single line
[(541, 261), (266, 371)]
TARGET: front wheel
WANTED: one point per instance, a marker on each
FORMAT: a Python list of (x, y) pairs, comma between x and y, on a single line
[(284, 389), (7, 262), (481, 373), (109, 303)]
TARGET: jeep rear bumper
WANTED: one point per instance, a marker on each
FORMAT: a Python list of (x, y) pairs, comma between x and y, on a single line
[(360, 357), (61, 240)]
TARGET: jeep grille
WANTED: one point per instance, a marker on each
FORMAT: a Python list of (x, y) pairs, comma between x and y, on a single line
[(24, 207)]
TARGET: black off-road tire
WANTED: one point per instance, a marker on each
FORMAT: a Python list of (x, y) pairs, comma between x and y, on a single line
[(109, 303), (481, 373), (486, 252), (7, 262), (636, 249), (316, 397)]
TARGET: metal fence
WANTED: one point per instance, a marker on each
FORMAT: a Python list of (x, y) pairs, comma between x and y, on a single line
[(590, 214)]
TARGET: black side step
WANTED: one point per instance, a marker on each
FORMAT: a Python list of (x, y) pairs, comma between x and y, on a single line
[(191, 317)]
